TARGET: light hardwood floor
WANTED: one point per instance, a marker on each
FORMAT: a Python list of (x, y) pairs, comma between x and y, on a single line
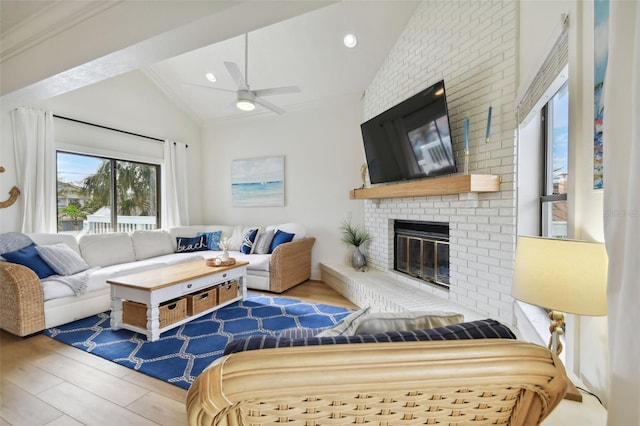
[(45, 382)]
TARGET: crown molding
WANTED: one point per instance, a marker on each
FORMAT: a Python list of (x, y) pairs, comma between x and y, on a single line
[(49, 21)]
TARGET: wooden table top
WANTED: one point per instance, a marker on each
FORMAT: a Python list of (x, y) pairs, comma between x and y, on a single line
[(170, 275)]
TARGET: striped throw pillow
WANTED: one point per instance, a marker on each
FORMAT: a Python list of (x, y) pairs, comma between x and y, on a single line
[(62, 259)]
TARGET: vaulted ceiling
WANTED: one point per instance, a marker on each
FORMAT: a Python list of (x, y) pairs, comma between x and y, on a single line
[(305, 51), (49, 47)]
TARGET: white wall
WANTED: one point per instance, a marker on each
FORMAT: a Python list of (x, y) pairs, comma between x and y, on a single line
[(128, 102), (472, 46), (323, 153)]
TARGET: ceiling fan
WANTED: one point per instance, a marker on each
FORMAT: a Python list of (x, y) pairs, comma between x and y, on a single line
[(246, 99)]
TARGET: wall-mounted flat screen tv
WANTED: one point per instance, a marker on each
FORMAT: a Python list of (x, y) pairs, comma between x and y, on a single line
[(411, 139)]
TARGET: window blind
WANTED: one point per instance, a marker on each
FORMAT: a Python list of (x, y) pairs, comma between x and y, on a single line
[(553, 65)]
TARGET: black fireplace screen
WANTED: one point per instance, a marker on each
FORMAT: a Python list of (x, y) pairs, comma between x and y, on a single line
[(422, 251)]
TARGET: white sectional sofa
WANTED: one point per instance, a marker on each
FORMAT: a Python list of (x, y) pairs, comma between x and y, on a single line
[(28, 304)]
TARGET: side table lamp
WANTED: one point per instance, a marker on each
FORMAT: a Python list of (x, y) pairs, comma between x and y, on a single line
[(563, 276)]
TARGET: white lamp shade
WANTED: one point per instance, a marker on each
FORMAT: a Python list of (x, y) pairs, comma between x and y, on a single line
[(563, 275)]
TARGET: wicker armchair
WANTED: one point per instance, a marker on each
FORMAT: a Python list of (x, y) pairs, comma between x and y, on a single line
[(21, 300), (463, 382)]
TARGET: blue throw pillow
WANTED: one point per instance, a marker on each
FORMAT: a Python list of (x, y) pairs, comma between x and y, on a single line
[(248, 240), (30, 258), (186, 245), (213, 239), (280, 237)]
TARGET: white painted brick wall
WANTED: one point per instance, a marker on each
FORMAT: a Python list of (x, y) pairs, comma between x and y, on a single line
[(472, 46)]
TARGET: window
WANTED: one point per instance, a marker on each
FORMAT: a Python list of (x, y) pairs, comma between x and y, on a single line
[(98, 195), (555, 135)]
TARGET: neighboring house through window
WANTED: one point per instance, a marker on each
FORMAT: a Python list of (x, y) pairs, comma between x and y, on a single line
[(98, 194)]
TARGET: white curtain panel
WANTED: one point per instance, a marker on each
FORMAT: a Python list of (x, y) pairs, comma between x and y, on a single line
[(35, 156), (175, 202), (621, 145)]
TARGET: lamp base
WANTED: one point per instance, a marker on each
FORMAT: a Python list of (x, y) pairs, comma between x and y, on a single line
[(573, 394), (557, 322)]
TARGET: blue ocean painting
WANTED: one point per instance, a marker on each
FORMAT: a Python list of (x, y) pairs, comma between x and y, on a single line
[(258, 182)]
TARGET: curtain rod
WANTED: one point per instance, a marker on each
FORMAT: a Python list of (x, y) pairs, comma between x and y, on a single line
[(110, 128)]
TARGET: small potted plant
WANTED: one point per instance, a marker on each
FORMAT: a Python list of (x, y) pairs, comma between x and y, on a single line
[(352, 235)]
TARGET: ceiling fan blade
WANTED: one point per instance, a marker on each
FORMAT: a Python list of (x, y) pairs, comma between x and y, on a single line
[(277, 91), (209, 87), (235, 73), (269, 105)]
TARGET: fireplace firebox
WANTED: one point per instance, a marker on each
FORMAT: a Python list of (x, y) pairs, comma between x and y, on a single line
[(422, 250)]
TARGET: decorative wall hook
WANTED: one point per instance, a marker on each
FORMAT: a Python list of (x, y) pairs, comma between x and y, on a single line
[(13, 195)]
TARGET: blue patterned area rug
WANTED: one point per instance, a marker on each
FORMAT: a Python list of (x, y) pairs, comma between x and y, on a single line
[(181, 354)]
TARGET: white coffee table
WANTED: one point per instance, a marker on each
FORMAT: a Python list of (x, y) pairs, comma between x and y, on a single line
[(163, 284)]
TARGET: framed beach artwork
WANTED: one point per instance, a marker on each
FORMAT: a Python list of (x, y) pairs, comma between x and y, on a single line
[(257, 182), (600, 58)]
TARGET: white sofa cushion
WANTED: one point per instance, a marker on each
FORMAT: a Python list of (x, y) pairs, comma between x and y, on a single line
[(45, 239), (148, 244), (298, 231), (107, 249)]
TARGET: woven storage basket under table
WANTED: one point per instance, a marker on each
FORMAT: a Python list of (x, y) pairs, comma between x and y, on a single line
[(227, 291), (171, 311), (201, 300)]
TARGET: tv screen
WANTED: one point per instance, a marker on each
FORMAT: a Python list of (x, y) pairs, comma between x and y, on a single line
[(410, 140)]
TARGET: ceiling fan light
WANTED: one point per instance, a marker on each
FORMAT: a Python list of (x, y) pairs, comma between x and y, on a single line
[(246, 100), (245, 105)]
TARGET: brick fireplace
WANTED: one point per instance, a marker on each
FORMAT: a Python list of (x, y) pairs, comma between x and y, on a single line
[(474, 49), (481, 246)]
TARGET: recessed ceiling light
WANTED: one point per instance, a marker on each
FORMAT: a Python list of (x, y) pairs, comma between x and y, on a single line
[(350, 40), (211, 77)]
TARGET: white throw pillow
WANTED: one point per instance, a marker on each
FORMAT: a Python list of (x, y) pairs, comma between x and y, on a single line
[(347, 325), (148, 244), (382, 322), (262, 244), (62, 259)]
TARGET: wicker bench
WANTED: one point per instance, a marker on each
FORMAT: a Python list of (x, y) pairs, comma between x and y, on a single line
[(478, 382)]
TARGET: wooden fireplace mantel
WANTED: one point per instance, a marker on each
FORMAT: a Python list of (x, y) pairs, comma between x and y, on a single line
[(436, 186)]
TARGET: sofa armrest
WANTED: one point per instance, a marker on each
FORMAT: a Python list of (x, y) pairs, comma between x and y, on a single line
[(21, 300), (290, 264)]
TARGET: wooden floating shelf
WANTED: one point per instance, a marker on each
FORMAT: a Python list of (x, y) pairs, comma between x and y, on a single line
[(437, 186)]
